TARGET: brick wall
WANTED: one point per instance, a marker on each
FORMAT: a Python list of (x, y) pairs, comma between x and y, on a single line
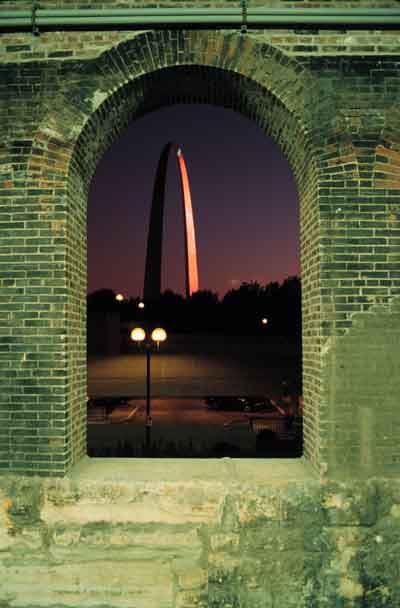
[(220, 533), (56, 46), (333, 108)]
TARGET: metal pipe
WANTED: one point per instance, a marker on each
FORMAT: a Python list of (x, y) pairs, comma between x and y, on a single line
[(225, 18)]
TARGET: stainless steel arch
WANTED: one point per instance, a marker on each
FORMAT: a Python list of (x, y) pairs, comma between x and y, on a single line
[(152, 277)]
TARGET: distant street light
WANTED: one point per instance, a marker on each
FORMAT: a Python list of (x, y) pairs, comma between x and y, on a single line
[(157, 335), (141, 305), (119, 297), (264, 321)]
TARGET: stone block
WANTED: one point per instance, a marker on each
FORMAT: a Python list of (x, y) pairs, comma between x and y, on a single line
[(143, 583), (343, 505), (189, 575), (163, 503)]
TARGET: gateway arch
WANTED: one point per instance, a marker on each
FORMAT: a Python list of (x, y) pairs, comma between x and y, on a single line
[(152, 277)]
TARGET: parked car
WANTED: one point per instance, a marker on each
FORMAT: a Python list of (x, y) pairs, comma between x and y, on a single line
[(225, 403), (242, 404), (259, 404), (109, 404)]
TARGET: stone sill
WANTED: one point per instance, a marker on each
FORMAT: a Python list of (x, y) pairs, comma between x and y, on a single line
[(224, 470)]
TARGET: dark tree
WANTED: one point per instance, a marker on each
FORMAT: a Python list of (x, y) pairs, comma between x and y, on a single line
[(243, 308), (290, 306), (170, 310), (102, 300), (240, 312)]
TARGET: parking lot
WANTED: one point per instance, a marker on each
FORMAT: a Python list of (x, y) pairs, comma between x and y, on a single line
[(183, 427), (200, 365)]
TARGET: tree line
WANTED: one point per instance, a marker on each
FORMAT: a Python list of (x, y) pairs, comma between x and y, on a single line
[(273, 309)]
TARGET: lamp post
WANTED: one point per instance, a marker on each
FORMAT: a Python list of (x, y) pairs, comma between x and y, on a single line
[(139, 335)]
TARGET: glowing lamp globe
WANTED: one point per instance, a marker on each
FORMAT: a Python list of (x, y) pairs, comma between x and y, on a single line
[(119, 297), (158, 335), (264, 321), (138, 334), (141, 305)]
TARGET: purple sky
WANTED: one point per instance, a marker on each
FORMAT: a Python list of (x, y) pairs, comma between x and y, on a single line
[(244, 203)]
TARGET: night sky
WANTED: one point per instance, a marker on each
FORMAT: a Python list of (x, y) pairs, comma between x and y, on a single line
[(244, 199)]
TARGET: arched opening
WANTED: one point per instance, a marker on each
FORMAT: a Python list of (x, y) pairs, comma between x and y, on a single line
[(200, 84), (216, 383)]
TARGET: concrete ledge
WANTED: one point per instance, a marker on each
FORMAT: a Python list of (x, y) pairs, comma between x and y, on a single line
[(224, 470)]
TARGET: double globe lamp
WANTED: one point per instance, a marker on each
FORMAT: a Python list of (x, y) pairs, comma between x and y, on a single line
[(139, 336)]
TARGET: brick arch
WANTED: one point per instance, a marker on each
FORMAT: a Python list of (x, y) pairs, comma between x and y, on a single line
[(192, 84), (247, 55), (135, 66), (386, 161), (133, 78)]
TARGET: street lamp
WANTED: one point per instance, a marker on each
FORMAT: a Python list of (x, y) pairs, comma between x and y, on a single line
[(119, 297), (157, 335)]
